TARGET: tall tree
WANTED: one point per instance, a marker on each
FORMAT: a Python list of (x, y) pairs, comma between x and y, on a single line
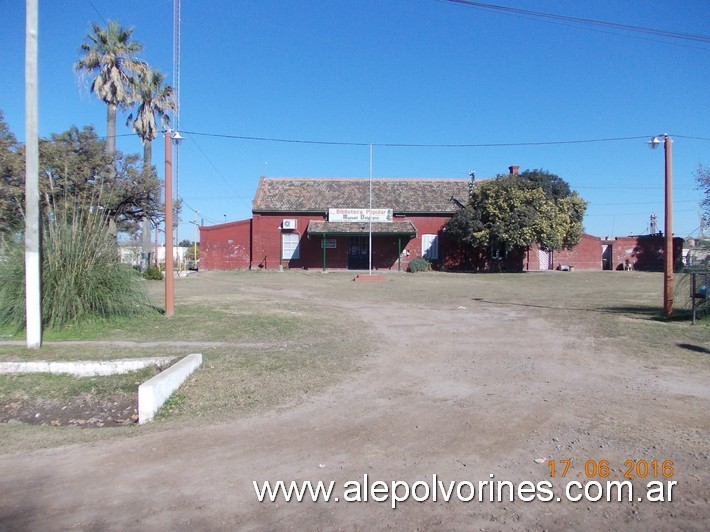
[(507, 214), (76, 169), (154, 100), (111, 55), (12, 182), (552, 185)]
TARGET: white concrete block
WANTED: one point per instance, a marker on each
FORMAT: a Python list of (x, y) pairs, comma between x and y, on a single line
[(84, 368), (154, 392)]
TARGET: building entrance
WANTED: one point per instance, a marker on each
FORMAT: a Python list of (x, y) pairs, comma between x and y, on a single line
[(358, 257)]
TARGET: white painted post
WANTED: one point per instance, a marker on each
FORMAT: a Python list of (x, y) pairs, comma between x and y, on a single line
[(33, 313)]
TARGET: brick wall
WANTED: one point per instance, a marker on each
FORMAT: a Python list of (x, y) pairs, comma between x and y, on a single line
[(226, 246), (643, 252)]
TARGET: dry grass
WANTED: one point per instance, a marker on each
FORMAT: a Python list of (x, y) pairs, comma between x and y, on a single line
[(270, 339)]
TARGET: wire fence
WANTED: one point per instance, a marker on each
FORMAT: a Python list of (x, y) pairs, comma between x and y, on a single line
[(691, 292)]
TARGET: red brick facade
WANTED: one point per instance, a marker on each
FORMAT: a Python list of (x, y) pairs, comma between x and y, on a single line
[(640, 252), (284, 209), (257, 243), (587, 255), (290, 229), (226, 246)]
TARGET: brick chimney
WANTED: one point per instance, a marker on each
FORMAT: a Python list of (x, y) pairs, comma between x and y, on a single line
[(514, 169)]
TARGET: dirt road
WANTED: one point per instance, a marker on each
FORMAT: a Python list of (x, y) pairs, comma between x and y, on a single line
[(463, 393)]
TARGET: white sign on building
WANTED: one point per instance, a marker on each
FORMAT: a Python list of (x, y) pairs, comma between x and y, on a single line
[(359, 215)]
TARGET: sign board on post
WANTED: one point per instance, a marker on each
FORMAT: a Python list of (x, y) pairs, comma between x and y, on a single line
[(328, 243), (359, 215)]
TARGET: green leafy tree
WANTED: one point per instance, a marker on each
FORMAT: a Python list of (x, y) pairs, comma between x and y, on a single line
[(12, 182), (553, 186), (75, 169), (508, 214), (111, 55)]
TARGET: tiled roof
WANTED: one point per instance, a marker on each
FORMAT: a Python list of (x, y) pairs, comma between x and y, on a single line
[(319, 227), (285, 194)]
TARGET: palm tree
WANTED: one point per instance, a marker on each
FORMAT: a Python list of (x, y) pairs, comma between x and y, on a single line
[(111, 55), (154, 100)]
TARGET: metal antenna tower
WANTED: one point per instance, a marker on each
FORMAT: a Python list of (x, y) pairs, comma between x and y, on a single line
[(176, 93)]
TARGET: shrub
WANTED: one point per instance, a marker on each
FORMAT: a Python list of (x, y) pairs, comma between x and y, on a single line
[(420, 264), (82, 277), (153, 274)]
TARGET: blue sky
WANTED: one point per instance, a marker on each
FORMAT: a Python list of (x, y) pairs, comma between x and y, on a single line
[(399, 72)]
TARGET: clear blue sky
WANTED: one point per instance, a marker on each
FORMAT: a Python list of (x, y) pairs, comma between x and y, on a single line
[(403, 72)]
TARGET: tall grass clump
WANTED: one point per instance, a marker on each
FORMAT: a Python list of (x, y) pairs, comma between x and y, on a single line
[(82, 277)]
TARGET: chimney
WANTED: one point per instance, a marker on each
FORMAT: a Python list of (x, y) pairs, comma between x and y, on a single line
[(514, 169)]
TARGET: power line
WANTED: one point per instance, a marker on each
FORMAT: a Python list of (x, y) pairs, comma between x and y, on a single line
[(236, 193), (98, 12), (688, 137), (580, 20), (410, 145), (659, 202)]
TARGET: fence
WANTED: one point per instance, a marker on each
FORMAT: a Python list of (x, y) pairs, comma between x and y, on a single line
[(691, 292)]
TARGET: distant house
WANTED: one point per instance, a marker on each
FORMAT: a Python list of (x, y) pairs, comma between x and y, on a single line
[(326, 223), (641, 252)]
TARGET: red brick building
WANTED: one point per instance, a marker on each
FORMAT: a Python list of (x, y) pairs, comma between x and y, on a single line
[(323, 223), (587, 255), (644, 252), (226, 246)]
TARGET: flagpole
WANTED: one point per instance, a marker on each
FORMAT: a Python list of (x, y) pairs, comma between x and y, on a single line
[(369, 245)]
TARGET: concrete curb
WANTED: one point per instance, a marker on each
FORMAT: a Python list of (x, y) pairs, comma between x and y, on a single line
[(84, 368), (154, 392)]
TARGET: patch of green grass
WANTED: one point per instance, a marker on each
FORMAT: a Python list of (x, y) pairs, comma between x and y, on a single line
[(190, 323), (171, 406), (50, 386)]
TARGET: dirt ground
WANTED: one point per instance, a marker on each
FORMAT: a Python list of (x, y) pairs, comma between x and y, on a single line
[(467, 390)]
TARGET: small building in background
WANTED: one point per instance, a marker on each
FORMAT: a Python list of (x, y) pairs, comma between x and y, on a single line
[(587, 255), (640, 252)]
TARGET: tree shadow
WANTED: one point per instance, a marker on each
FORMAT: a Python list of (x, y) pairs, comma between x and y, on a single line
[(695, 348), (645, 311)]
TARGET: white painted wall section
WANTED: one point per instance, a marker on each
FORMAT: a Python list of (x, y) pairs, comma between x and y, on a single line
[(154, 392)]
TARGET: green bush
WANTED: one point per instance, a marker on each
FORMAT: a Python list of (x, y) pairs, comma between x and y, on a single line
[(153, 274), (420, 264), (82, 277)]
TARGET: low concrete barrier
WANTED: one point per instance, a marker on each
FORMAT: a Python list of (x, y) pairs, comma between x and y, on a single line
[(154, 392), (84, 368)]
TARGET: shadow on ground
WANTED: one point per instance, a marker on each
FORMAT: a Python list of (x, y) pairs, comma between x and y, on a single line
[(695, 348), (638, 310)]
